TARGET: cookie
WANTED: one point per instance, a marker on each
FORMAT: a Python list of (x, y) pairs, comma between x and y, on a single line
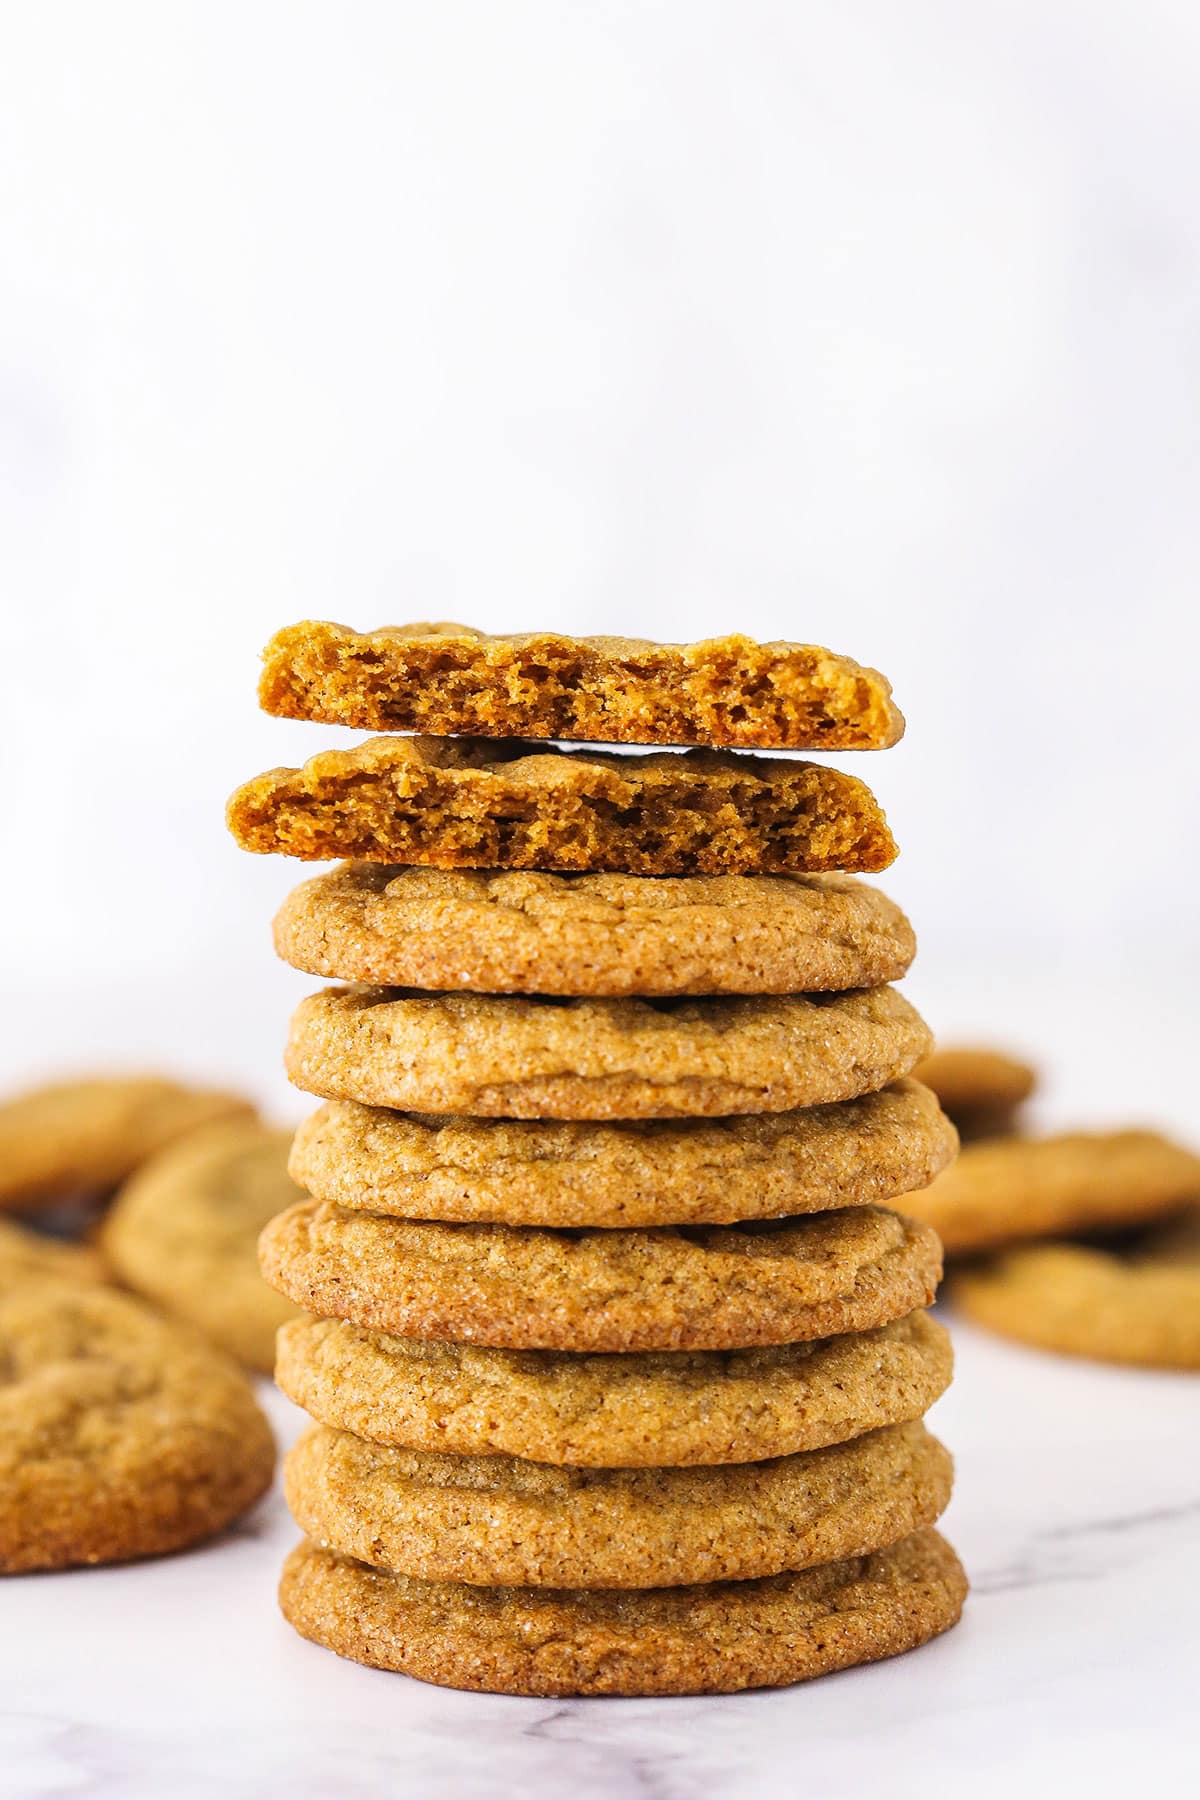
[(672, 1409), (84, 1137), (499, 1522), (524, 1289), (718, 1639), (466, 803), (27, 1256), (981, 1090), (184, 1233), (121, 1435), (648, 1172), (512, 1056), (605, 935), (1012, 1188), (1139, 1304), (603, 690)]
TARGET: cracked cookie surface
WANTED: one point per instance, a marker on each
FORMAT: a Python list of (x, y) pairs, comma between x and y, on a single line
[(670, 1409), (514, 1056), (608, 935), (715, 1288), (624, 1172), (501, 1522)]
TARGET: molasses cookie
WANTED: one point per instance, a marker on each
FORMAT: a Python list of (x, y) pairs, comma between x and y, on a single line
[(717, 1288), (120, 1435), (981, 1090), (500, 1522), (184, 1233), (602, 690), (1136, 1304), (84, 1137), (27, 1256), (467, 803), (529, 932), (717, 1639), (624, 1173), (1012, 1188), (513, 1056), (669, 1408)]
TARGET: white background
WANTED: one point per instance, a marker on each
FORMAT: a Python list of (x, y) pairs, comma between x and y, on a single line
[(874, 324), (871, 325)]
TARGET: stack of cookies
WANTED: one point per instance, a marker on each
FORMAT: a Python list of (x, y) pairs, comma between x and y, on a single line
[(618, 1356)]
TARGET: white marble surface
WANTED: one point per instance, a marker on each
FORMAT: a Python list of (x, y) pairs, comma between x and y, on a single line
[(1077, 1513)]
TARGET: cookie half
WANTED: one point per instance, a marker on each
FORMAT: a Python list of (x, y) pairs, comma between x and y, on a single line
[(120, 1435), (511, 1056), (718, 1639), (500, 1522), (665, 1409), (1012, 1188), (184, 1233), (1139, 1304), (498, 932), (652, 1172), (466, 803), (453, 679), (84, 1137), (718, 1288)]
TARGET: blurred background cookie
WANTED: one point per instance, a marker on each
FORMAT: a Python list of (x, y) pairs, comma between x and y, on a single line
[(27, 1255), (80, 1139), (982, 1090), (1009, 1189), (1137, 1303), (121, 1435), (184, 1234)]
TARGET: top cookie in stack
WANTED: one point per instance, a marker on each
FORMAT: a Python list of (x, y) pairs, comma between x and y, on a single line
[(451, 679), (607, 999)]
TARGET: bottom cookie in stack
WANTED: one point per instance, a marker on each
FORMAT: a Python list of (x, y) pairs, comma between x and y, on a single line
[(712, 1639)]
